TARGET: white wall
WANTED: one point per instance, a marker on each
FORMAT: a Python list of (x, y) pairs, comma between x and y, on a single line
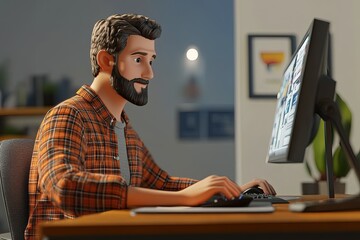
[(255, 117)]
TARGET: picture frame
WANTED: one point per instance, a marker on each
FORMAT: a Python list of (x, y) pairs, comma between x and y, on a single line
[(189, 127), (221, 123), (268, 56)]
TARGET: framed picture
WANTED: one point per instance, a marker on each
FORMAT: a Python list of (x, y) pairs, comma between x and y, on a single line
[(221, 124), (268, 57), (189, 124)]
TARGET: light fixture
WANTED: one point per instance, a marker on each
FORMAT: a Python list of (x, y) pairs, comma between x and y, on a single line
[(192, 54)]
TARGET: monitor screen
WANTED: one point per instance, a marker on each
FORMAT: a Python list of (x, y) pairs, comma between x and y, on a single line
[(295, 115)]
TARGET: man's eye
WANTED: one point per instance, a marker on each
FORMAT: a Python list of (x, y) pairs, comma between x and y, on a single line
[(137, 60)]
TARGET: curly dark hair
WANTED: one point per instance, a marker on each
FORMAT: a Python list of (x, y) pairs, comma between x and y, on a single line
[(112, 34)]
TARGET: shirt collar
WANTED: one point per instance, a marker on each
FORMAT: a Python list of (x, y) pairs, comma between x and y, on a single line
[(90, 96)]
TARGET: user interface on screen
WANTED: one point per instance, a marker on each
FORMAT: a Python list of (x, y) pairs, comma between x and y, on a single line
[(287, 102)]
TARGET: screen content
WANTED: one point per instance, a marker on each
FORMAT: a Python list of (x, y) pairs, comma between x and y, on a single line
[(287, 102)]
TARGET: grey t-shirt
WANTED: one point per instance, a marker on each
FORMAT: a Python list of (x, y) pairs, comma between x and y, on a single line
[(123, 157)]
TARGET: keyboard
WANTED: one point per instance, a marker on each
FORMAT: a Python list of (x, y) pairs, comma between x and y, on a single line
[(220, 201), (260, 197)]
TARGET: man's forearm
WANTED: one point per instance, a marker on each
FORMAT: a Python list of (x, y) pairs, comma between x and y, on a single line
[(137, 197)]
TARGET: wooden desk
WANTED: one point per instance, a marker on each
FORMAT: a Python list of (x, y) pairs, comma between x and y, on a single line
[(281, 224)]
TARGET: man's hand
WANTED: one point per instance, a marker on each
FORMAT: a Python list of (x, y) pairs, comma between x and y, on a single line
[(263, 184), (209, 186)]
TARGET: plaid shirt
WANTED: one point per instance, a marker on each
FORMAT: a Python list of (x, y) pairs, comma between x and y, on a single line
[(75, 169)]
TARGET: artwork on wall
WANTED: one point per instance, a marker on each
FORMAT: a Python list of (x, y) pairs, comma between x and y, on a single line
[(189, 124), (206, 123), (268, 56), (221, 124)]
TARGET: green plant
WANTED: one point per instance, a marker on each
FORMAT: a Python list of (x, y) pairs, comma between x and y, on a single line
[(340, 163)]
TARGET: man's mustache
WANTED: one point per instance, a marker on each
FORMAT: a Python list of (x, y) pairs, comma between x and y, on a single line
[(139, 80)]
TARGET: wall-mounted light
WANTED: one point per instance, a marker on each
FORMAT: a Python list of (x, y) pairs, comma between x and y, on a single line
[(193, 75), (192, 54)]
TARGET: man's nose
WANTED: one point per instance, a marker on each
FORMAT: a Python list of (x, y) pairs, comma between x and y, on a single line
[(148, 73)]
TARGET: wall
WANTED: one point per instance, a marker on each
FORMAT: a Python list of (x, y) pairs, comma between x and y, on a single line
[(255, 117)]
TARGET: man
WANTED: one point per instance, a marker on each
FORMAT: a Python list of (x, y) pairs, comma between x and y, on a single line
[(87, 157)]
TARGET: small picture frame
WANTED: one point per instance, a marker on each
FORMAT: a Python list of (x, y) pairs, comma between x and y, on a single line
[(189, 124), (221, 124), (268, 56)]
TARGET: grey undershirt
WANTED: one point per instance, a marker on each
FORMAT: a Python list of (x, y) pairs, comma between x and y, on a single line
[(123, 157)]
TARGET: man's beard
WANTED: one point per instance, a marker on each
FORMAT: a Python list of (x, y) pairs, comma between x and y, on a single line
[(126, 89)]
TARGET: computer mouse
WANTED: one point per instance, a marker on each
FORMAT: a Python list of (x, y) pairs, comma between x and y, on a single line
[(253, 190)]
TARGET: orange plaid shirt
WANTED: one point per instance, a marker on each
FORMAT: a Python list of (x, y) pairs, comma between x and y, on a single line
[(75, 168)]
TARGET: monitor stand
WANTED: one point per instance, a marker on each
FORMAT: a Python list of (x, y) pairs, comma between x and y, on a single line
[(328, 110)]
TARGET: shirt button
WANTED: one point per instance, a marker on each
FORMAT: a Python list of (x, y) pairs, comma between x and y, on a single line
[(116, 157)]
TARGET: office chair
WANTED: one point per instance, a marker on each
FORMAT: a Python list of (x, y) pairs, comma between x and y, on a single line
[(15, 158)]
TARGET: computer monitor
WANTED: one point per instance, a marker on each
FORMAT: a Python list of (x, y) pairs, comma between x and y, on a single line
[(295, 118), (307, 94)]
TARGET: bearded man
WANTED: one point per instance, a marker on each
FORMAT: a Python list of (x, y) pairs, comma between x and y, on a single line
[(88, 158)]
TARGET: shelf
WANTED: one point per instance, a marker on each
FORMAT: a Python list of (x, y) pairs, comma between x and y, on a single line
[(6, 137), (9, 133), (24, 111)]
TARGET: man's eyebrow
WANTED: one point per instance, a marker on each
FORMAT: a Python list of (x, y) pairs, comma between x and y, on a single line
[(143, 54)]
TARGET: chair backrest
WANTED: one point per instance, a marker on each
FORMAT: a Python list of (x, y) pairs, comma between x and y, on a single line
[(15, 159)]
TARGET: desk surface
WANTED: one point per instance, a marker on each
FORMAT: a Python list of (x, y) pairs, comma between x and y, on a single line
[(122, 222)]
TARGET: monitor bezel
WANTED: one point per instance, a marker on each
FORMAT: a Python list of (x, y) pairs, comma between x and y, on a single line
[(314, 63)]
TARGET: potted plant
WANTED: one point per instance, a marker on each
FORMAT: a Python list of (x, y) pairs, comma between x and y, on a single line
[(340, 164)]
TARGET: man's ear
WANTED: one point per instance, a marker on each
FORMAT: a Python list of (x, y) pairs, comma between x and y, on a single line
[(105, 61)]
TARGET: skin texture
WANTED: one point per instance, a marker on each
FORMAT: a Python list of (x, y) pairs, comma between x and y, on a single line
[(135, 61)]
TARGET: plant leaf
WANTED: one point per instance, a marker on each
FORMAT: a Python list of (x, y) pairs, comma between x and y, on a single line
[(319, 149), (308, 169), (346, 116), (341, 166)]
